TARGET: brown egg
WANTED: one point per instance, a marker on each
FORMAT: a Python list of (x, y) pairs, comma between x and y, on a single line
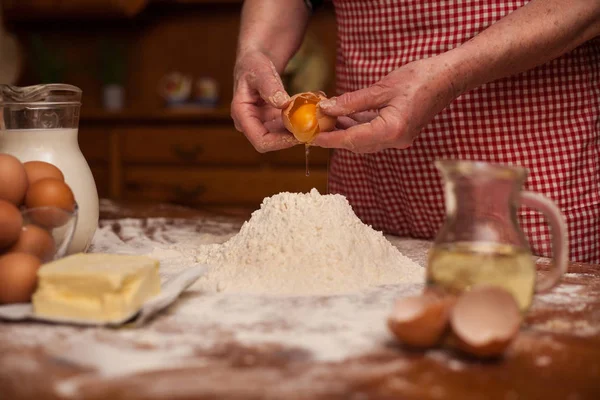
[(37, 170), (485, 320), (18, 277), (420, 321), (13, 179), (11, 222), (50, 192), (35, 241), (303, 118)]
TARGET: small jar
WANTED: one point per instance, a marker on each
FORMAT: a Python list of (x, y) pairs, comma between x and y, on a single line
[(41, 123)]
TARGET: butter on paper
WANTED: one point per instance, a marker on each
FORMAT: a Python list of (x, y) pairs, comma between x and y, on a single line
[(97, 287), (170, 291)]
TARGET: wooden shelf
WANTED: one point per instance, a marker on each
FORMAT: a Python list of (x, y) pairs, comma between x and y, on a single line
[(174, 115), (211, 2), (24, 10), (35, 10)]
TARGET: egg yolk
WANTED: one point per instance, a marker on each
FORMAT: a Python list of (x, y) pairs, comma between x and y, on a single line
[(303, 118)]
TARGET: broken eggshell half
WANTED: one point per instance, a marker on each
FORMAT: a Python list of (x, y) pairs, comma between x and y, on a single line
[(304, 119), (420, 321), (485, 320)]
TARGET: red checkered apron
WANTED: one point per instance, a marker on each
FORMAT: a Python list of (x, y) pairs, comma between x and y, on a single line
[(546, 120)]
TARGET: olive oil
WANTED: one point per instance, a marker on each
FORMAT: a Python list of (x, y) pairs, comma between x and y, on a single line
[(458, 266)]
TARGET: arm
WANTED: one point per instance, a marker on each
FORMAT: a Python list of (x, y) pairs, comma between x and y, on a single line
[(409, 97), (538, 32), (271, 32), (273, 27)]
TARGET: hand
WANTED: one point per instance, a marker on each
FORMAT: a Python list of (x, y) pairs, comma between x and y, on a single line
[(392, 112), (258, 98)]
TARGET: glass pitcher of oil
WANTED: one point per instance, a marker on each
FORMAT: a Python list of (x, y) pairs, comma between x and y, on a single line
[(481, 241)]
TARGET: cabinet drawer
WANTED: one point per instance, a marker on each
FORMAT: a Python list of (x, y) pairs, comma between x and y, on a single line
[(187, 145), (205, 145), (94, 143), (217, 186), (296, 156)]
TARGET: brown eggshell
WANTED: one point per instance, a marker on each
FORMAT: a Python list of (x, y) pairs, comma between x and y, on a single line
[(13, 179), (485, 320), (18, 277), (37, 170), (420, 321), (11, 222), (50, 192), (320, 123), (35, 241)]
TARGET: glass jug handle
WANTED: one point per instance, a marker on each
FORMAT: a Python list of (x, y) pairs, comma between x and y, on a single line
[(558, 230)]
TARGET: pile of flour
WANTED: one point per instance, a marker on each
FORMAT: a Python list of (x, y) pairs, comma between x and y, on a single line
[(304, 244)]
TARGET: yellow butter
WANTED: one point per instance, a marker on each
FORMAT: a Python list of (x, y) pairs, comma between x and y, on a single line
[(95, 287)]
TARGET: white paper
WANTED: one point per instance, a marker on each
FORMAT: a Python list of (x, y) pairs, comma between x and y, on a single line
[(169, 292)]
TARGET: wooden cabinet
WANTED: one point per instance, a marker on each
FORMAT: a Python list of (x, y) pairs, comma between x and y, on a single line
[(217, 185), (149, 151), (208, 144), (192, 161)]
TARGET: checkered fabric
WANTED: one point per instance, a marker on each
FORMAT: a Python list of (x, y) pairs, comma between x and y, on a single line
[(545, 120)]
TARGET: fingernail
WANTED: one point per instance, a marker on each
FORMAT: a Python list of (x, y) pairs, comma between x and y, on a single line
[(280, 98), (328, 103)]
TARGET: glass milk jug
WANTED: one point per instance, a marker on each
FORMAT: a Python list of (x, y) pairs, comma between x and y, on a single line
[(41, 123), (481, 241)]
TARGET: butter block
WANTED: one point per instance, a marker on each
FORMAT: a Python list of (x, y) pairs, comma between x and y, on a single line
[(95, 287)]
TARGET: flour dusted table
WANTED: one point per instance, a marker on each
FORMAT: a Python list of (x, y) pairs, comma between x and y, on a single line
[(315, 348)]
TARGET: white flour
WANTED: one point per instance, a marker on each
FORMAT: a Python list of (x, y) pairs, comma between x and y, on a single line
[(305, 244)]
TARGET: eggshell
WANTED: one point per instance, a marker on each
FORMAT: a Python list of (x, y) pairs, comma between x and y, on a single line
[(303, 118), (13, 179), (18, 277), (35, 241), (11, 222), (485, 320), (50, 192), (37, 170), (420, 321)]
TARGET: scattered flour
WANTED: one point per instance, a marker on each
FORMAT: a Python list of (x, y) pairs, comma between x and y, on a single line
[(325, 328), (305, 244)]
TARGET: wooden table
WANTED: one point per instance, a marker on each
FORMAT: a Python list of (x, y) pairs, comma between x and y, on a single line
[(557, 355)]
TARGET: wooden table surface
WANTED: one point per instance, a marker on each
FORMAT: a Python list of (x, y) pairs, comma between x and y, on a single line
[(556, 356)]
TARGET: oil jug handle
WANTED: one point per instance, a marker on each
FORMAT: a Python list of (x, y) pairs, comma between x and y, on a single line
[(558, 231)]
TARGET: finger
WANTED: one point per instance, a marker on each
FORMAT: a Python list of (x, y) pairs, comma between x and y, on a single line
[(372, 97), (345, 122), (249, 122), (272, 120), (269, 113), (364, 116), (268, 83), (275, 125), (244, 98), (361, 138)]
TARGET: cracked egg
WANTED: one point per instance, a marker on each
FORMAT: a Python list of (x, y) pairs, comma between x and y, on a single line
[(303, 118)]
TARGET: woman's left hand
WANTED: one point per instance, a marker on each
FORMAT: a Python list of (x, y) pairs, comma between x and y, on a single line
[(392, 112)]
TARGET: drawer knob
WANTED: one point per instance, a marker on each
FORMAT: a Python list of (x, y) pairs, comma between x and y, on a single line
[(188, 154)]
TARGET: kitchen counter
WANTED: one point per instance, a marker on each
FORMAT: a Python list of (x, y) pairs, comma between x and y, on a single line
[(227, 346)]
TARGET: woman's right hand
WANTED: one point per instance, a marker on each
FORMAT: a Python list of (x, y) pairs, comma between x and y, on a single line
[(258, 98)]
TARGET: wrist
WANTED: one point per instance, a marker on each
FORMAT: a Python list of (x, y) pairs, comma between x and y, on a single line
[(458, 67), (253, 51)]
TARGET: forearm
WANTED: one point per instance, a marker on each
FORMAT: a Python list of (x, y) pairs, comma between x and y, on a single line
[(530, 36), (275, 27)]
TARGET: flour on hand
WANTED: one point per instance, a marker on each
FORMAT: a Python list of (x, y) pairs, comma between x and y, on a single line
[(305, 244)]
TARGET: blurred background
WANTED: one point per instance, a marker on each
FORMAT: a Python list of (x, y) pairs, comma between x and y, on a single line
[(157, 82)]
